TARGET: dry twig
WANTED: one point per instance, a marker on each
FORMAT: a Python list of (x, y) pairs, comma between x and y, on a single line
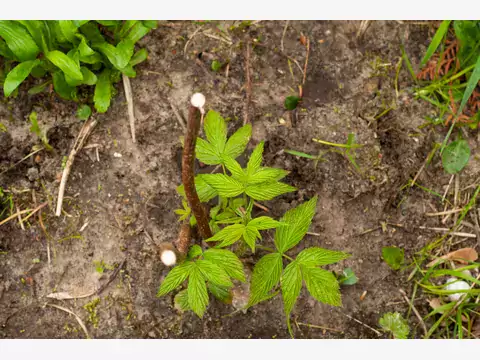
[(283, 35), (77, 146), (128, 95), (417, 314), (248, 85), (82, 325)]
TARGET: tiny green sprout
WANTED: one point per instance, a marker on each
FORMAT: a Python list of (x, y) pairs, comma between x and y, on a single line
[(216, 65)]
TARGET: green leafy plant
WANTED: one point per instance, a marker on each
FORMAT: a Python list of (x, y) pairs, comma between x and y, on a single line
[(347, 277), (452, 72), (233, 224), (71, 54), (395, 324), (393, 256), (347, 150), (41, 134)]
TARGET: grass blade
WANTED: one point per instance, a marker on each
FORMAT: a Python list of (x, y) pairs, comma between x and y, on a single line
[(437, 39), (471, 85)]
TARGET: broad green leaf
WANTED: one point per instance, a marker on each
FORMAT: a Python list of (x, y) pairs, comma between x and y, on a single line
[(267, 174), (92, 33), (347, 277), (222, 293), (250, 235), (95, 59), (291, 102), (103, 92), (89, 78), (137, 32), (395, 324), (206, 153), (79, 23), (215, 130), (127, 25), (68, 29), (61, 87), (471, 85), (204, 190), (298, 221), (151, 24), (436, 41), (65, 63), (322, 285), (266, 275), (118, 58), (17, 75), (264, 223), (175, 277), (181, 301), (255, 160), (227, 260), (237, 143), (55, 31), (393, 256), (39, 88), (195, 251), (140, 56), (234, 167), (228, 235), (214, 273), (18, 40), (316, 256), (109, 22), (226, 186), (36, 29), (83, 47), (291, 282), (197, 292), (455, 156), (125, 50), (5, 51), (83, 112), (267, 191), (129, 71)]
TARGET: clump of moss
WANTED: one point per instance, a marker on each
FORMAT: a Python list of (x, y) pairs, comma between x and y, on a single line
[(91, 308)]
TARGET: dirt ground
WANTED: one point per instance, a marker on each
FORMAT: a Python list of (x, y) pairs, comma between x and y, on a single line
[(118, 208)]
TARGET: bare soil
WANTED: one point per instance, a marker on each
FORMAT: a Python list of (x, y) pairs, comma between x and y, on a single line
[(121, 207)]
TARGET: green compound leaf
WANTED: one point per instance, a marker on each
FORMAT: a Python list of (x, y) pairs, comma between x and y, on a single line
[(322, 285), (228, 261), (298, 221), (197, 291), (17, 75), (316, 256), (175, 277), (291, 282), (266, 275), (395, 324)]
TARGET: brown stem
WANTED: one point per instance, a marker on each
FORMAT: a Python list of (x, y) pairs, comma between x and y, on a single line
[(188, 173)]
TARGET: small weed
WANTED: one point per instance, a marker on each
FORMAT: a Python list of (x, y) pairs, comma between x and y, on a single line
[(395, 324), (101, 266), (347, 150), (41, 134), (91, 309)]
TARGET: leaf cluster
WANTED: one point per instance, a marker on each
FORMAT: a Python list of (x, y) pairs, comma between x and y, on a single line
[(71, 54)]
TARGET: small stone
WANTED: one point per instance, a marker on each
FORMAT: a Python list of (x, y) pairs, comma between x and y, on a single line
[(117, 155), (152, 335), (32, 174)]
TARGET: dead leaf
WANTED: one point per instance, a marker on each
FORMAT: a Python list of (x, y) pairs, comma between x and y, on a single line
[(435, 303), (67, 296), (462, 256)]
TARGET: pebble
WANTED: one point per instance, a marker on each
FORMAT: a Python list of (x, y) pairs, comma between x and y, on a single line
[(117, 155), (32, 174)]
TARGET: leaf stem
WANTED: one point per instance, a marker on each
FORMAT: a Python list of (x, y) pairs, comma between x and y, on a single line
[(188, 173), (274, 251)]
